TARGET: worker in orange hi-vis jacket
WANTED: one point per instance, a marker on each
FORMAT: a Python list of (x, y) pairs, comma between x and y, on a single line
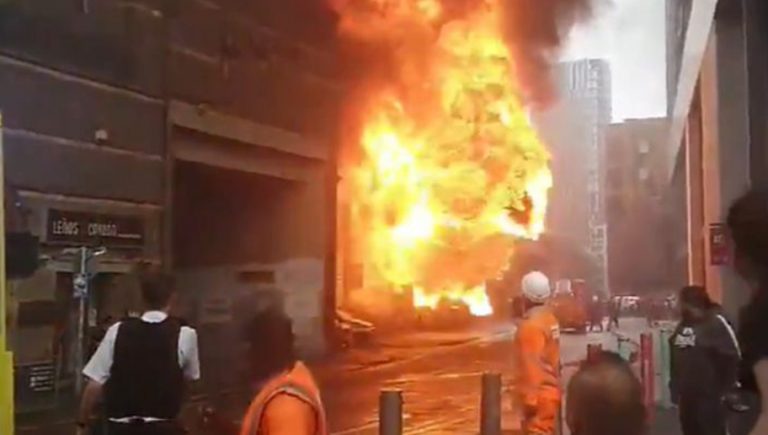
[(537, 353), (288, 400)]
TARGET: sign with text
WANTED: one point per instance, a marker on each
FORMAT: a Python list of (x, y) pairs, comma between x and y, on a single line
[(94, 229), (718, 245)]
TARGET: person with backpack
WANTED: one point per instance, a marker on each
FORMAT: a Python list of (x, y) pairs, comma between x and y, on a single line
[(704, 364)]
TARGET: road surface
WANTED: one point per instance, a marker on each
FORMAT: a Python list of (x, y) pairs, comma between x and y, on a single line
[(439, 375)]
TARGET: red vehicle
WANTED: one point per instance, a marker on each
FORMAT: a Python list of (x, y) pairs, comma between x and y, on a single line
[(570, 306)]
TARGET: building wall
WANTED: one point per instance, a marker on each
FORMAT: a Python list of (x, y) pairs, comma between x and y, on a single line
[(263, 61), (725, 135), (88, 101), (575, 132), (636, 172), (564, 129)]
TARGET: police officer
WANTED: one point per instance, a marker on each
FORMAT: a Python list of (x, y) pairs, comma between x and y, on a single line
[(140, 367)]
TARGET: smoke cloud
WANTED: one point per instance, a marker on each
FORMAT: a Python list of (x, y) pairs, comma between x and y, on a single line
[(373, 32), (535, 31)]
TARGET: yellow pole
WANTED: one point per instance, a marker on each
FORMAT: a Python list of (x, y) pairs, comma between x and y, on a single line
[(6, 357)]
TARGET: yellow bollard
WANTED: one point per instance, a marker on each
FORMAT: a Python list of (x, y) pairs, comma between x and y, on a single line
[(6, 357)]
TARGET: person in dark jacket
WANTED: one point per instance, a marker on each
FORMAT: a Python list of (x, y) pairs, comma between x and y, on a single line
[(614, 311), (705, 360), (595, 314), (748, 227)]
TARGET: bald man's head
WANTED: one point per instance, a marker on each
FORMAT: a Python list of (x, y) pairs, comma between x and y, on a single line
[(605, 398)]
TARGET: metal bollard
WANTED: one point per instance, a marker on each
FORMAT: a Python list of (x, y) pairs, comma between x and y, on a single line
[(593, 351), (391, 412), (647, 373), (665, 357), (490, 405)]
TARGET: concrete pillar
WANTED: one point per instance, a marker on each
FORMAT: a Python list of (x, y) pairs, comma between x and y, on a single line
[(725, 140), (755, 16), (694, 192), (710, 162)]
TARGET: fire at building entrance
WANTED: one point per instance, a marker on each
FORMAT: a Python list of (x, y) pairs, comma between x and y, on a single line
[(444, 172)]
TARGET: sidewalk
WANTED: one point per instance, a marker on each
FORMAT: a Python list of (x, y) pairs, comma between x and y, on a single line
[(665, 422)]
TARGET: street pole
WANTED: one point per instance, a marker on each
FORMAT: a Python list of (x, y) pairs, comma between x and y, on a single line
[(6, 357), (81, 290)]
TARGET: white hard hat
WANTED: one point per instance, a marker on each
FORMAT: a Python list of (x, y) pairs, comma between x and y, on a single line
[(536, 287)]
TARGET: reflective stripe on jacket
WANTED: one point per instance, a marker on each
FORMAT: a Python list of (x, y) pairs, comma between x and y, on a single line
[(537, 352), (297, 383)]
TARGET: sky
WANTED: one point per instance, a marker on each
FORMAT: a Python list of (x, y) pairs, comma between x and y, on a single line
[(630, 34)]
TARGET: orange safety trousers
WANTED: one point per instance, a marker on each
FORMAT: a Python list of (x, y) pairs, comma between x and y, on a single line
[(537, 353), (296, 383), (544, 420)]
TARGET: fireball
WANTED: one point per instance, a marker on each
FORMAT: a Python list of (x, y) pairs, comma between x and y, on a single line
[(451, 173)]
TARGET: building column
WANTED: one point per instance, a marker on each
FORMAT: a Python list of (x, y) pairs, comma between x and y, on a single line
[(694, 192), (755, 17), (725, 141)]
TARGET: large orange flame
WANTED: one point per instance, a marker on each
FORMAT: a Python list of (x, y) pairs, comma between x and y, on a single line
[(452, 172)]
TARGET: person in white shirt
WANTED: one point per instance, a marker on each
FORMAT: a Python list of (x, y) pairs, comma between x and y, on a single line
[(141, 366)]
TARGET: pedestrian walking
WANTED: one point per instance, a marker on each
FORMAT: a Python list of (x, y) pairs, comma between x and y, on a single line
[(140, 367), (704, 364), (614, 310), (748, 226), (537, 351), (596, 314), (605, 398), (288, 400), (646, 307)]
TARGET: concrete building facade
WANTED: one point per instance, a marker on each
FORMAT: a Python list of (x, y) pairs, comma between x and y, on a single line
[(575, 129), (195, 135), (635, 180), (719, 137)]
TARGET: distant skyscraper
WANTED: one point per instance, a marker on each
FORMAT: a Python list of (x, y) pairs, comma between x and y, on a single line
[(575, 131)]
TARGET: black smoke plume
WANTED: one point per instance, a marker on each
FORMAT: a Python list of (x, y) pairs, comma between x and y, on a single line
[(535, 31)]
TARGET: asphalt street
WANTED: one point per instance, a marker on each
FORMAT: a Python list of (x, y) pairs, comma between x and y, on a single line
[(439, 374)]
